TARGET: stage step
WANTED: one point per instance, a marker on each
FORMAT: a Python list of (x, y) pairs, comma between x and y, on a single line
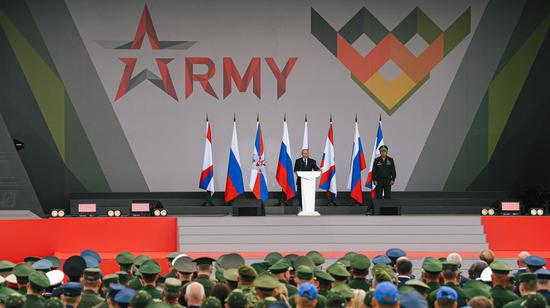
[(17, 214), (331, 233)]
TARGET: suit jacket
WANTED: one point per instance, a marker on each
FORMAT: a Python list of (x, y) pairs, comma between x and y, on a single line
[(300, 166)]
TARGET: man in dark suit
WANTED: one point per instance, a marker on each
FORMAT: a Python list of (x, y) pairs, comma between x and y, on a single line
[(304, 163)]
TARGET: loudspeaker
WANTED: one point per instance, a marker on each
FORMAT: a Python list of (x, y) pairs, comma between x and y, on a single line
[(387, 207), (248, 211)]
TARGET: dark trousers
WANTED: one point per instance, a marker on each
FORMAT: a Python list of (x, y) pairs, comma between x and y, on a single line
[(385, 187)]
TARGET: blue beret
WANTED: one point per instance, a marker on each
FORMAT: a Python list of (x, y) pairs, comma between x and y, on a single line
[(395, 253), (381, 259), (91, 262), (535, 261), (114, 288), (91, 253), (72, 289), (124, 296), (42, 265)]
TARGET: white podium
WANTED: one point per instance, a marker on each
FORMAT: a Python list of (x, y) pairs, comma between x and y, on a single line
[(308, 192)]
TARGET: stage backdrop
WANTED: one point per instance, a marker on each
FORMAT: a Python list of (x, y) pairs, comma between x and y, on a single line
[(113, 95)]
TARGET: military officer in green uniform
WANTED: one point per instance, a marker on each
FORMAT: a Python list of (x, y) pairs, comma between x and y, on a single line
[(149, 272), (316, 257), (323, 281), (140, 300), (281, 270), (22, 272), (304, 274), (38, 282), (172, 273), (359, 270), (125, 261), (108, 280), (204, 271), (236, 299), (527, 287), (171, 292), (5, 268), (339, 273), (265, 285), (501, 296), (135, 282), (91, 285), (451, 275), (383, 174), (431, 270), (246, 278)]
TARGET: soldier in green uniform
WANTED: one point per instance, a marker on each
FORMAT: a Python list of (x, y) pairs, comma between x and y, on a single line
[(171, 292), (125, 261), (304, 274), (247, 276), (22, 272), (236, 299), (5, 292), (149, 272), (323, 281), (501, 295), (272, 258), (38, 282), (123, 277), (204, 271), (316, 257), (359, 270), (265, 285), (339, 273), (15, 300), (107, 281), (231, 277), (281, 270), (413, 285), (141, 299), (527, 287), (91, 285), (451, 275), (135, 282), (5, 268), (431, 270), (172, 273), (383, 174)]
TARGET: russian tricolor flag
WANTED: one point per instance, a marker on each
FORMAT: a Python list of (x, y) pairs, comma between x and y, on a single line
[(258, 183), (207, 175), (358, 164), (375, 153), (328, 165), (285, 176), (234, 185)]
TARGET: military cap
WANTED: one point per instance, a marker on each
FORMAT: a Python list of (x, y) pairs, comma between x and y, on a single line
[(417, 284), (172, 287), (72, 289), (273, 257), (150, 267), (280, 266), (266, 281), (42, 265), (219, 272), (343, 288), (432, 265), (92, 274), (184, 264), (39, 279), (236, 299), (124, 296), (292, 258), (139, 260), (473, 288), (316, 257), (383, 147), (247, 271), (344, 261), (450, 266), (447, 293), (395, 253), (114, 288), (31, 259), (382, 273), (74, 266), (54, 302), (56, 263), (381, 259), (534, 300), (526, 277), (108, 279), (486, 275), (125, 258), (172, 256), (123, 277), (359, 262), (141, 299), (91, 262), (204, 261), (55, 277), (231, 260), (15, 300), (386, 293), (6, 266), (349, 254), (500, 267), (322, 275), (339, 270), (260, 267), (231, 274), (307, 290), (22, 270), (303, 260), (211, 302), (335, 298), (92, 253), (535, 261), (11, 278), (304, 272), (543, 273)]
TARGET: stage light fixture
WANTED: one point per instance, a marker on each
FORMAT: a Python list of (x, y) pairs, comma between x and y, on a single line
[(57, 213), (87, 209), (160, 212), (113, 213), (509, 208), (19, 145), (488, 212), (537, 212)]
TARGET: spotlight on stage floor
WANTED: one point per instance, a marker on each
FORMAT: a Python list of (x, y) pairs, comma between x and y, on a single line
[(536, 212), (87, 209), (114, 213), (57, 213)]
